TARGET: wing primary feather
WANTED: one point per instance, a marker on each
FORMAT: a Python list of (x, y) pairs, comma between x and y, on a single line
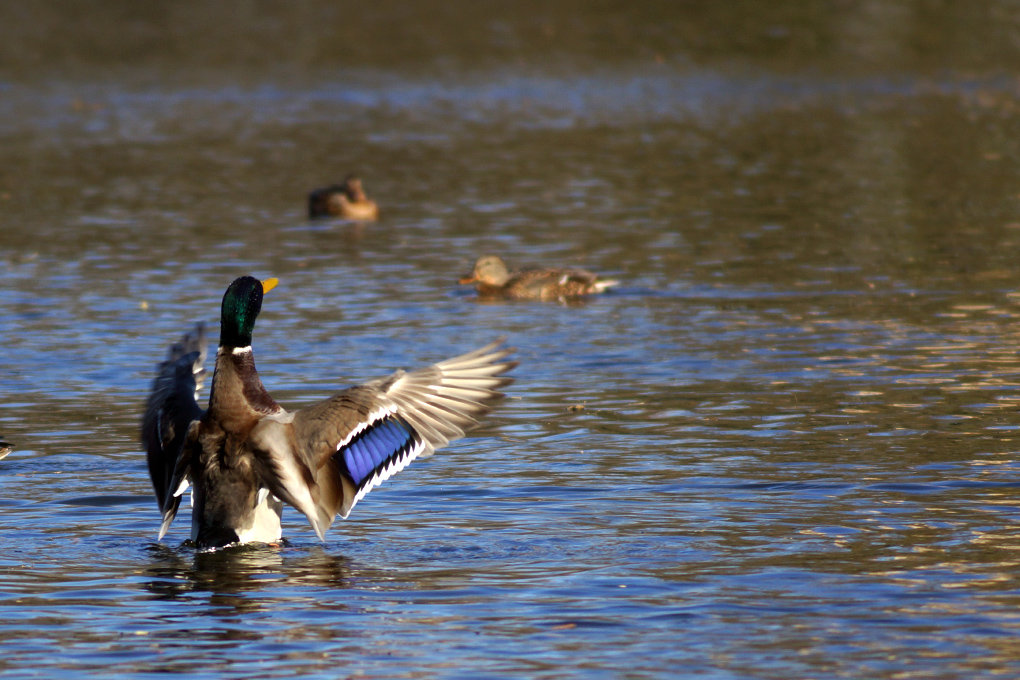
[(170, 410), (360, 437)]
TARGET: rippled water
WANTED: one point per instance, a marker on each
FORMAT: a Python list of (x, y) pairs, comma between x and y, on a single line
[(786, 446)]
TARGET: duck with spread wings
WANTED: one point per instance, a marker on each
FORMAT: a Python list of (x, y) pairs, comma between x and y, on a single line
[(244, 455)]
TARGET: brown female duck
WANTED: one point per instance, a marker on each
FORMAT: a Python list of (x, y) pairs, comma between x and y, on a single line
[(346, 200), (492, 279)]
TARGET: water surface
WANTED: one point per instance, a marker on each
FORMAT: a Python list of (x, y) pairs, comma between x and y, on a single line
[(784, 447)]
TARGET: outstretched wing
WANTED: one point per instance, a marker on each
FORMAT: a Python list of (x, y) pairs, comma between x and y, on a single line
[(324, 458), (170, 410)]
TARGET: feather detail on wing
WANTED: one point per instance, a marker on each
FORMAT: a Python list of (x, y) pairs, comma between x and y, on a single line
[(552, 284), (339, 449), (169, 412)]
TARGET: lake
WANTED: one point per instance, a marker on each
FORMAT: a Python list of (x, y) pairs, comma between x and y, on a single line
[(785, 446)]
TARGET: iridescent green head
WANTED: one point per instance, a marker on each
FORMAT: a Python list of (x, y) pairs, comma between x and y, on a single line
[(241, 306)]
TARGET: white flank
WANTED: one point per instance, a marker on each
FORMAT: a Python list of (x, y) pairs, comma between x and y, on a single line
[(265, 526)]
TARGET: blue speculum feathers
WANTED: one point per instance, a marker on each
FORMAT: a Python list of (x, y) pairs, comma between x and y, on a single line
[(375, 447)]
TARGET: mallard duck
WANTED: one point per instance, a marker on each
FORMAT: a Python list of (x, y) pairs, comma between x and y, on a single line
[(5, 449), (492, 279), (244, 455), (343, 200)]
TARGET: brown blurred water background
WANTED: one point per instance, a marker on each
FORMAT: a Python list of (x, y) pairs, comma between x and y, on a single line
[(785, 447)]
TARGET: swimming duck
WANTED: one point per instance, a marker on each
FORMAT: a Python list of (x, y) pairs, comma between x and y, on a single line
[(244, 455), (343, 200), (492, 279), (5, 449)]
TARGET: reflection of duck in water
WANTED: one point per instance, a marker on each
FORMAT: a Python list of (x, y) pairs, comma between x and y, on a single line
[(230, 574), (492, 279), (246, 456), (5, 449), (343, 200)]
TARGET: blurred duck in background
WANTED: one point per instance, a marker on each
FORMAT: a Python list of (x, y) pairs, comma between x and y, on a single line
[(346, 200), (493, 279)]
